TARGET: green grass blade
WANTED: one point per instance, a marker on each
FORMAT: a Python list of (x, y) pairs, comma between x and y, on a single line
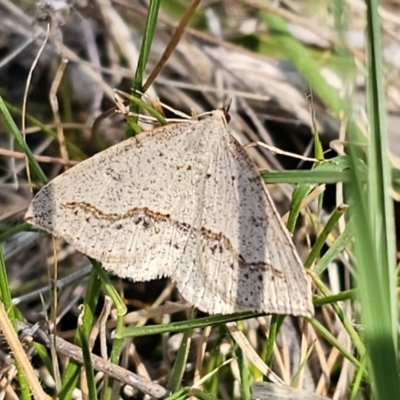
[(244, 372), (5, 289), (268, 353), (334, 251), (354, 336), (379, 174), (175, 379), (358, 378), (87, 361), (182, 394), (148, 35), (299, 194), (189, 324), (14, 131), (306, 177), (117, 344), (202, 395), (295, 380), (333, 341), (374, 233), (334, 298), (70, 378), (7, 301), (73, 150), (316, 249)]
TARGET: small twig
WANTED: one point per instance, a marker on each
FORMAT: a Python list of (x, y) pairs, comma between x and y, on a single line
[(25, 99), (56, 111), (18, 50), (307, 200), (20, 355), (175, 39), (61, 283), (99, 364), (276, 150), (200, 382), (105, 313), (200, 354), (53, 279), (250, 353), (43, 159)]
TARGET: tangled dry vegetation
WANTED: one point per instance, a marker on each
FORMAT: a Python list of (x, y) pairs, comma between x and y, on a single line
[(284, 67)]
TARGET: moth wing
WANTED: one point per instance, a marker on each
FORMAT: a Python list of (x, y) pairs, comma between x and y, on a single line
[(245, 259), (129, 206)]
